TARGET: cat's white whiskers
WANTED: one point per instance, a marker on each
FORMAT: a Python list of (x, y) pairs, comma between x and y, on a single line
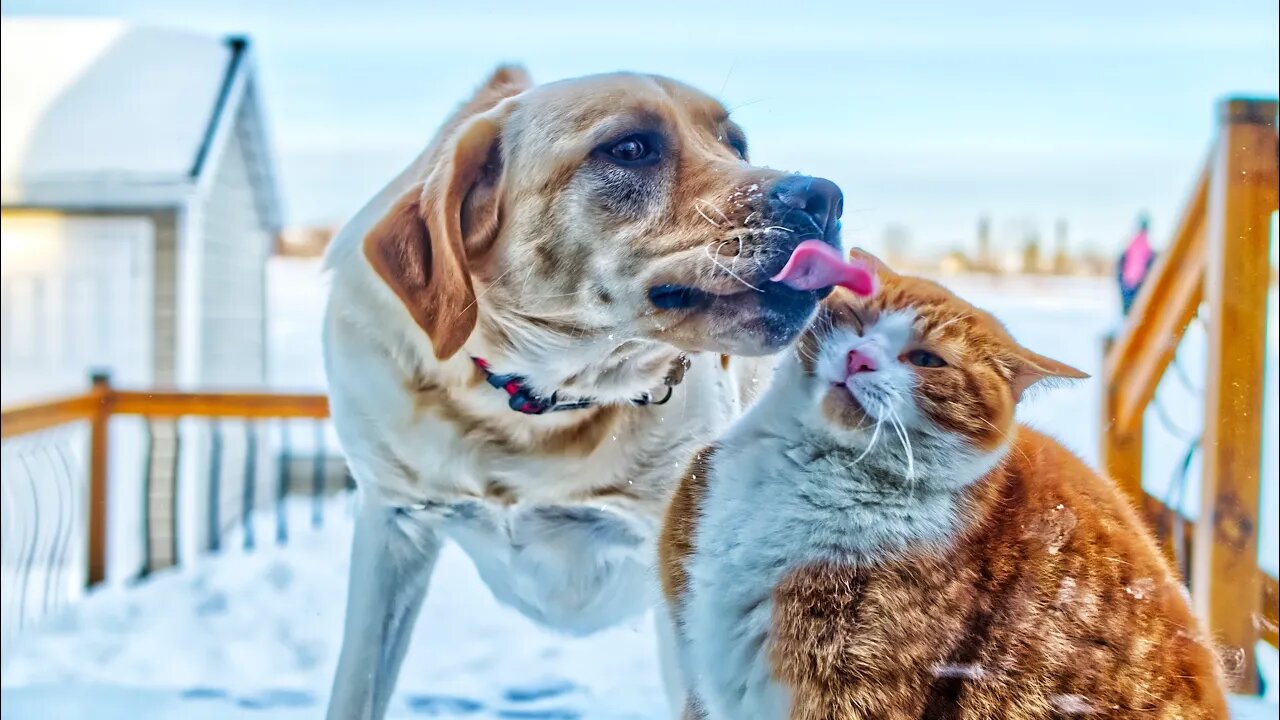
[(875, 435), (901, 430), (906, 440), (807, 354), (1007, 438)]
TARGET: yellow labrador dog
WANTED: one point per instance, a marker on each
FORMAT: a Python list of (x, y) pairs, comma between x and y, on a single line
[(529, 333)]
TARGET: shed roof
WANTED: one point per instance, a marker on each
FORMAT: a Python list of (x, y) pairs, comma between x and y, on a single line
[(100, 113)]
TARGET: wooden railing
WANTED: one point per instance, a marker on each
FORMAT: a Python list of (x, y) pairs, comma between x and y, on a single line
[(1218, 260), (102, 402)]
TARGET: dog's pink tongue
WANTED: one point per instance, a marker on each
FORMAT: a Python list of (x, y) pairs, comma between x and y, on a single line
[(815, 264)]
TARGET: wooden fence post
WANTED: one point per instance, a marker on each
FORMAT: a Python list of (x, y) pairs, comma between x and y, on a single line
[(1121, 444), (1242, 196), (99, 442)]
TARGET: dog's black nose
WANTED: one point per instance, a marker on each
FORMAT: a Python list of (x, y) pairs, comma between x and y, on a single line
[(818, 198)]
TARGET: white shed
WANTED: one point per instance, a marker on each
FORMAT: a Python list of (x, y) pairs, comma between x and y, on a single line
[(139, 208)]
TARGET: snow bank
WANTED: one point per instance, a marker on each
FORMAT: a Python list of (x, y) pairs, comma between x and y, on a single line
[(256, 635), (263, 629)]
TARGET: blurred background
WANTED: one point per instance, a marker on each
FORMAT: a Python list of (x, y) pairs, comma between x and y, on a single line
[(172, 172)]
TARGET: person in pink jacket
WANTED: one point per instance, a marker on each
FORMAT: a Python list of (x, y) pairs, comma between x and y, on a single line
[(1135, 264)]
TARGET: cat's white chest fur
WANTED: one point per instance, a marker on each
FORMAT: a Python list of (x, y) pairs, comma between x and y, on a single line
[(728, 609), (778, 500)]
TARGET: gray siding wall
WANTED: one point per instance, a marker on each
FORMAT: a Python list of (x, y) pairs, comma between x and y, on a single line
[(233, 346), (236, 245), (164, 438), (166, 299)]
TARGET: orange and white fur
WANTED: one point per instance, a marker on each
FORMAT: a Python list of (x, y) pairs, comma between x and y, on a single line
[(878, 538)]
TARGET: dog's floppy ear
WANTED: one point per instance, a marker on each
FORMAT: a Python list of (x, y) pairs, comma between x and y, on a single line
[(421, 247), (418, 247)]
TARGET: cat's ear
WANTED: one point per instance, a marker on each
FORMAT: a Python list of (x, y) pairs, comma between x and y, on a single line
[(871, 261), (1030, 368)]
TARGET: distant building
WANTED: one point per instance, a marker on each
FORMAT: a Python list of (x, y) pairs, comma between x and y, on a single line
[(139, 207), (1062, 263), (955, 263), (1094, 262), (1031, 255), (308, 241), (897, 246), (985, 260)]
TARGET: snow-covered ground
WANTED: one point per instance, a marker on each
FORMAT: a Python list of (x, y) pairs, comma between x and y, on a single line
[(262, 629), (256, 636), (246, 635)]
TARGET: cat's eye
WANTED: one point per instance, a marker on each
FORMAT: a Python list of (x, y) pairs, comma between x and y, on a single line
[(925, 359)]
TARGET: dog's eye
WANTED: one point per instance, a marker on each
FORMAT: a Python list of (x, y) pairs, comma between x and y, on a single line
[(925, 359), (736, 141), (633, 150)]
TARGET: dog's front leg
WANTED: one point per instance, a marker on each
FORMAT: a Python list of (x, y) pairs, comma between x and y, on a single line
[(392, 556)]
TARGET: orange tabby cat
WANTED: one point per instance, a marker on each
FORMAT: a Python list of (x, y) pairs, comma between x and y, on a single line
[(878, 538)]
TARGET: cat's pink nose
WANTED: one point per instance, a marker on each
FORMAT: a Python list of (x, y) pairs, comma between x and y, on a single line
[(858, 362)]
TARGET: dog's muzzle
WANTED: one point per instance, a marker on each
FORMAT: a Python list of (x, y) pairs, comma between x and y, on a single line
[(810, 209), (801, 208), (809, 206)]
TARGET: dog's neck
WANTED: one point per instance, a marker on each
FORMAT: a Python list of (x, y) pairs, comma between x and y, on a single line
[(601, 366)]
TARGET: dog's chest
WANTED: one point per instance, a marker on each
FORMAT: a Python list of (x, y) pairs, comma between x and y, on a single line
[(570, 541), (571, 566), (563, 534)]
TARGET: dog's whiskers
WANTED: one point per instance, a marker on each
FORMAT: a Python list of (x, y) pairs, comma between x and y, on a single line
[(698, 203), (722, 266), (524, 286), (705, 217), (550, 296), (486, 289)]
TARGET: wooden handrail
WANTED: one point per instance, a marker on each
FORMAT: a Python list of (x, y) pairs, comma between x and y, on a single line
[(1165, 305), (220, 404), (102, 402), (1162, 519), (34, 417), (1136, 360)]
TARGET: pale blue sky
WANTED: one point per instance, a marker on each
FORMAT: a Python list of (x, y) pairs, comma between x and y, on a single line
[(928, 114)]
